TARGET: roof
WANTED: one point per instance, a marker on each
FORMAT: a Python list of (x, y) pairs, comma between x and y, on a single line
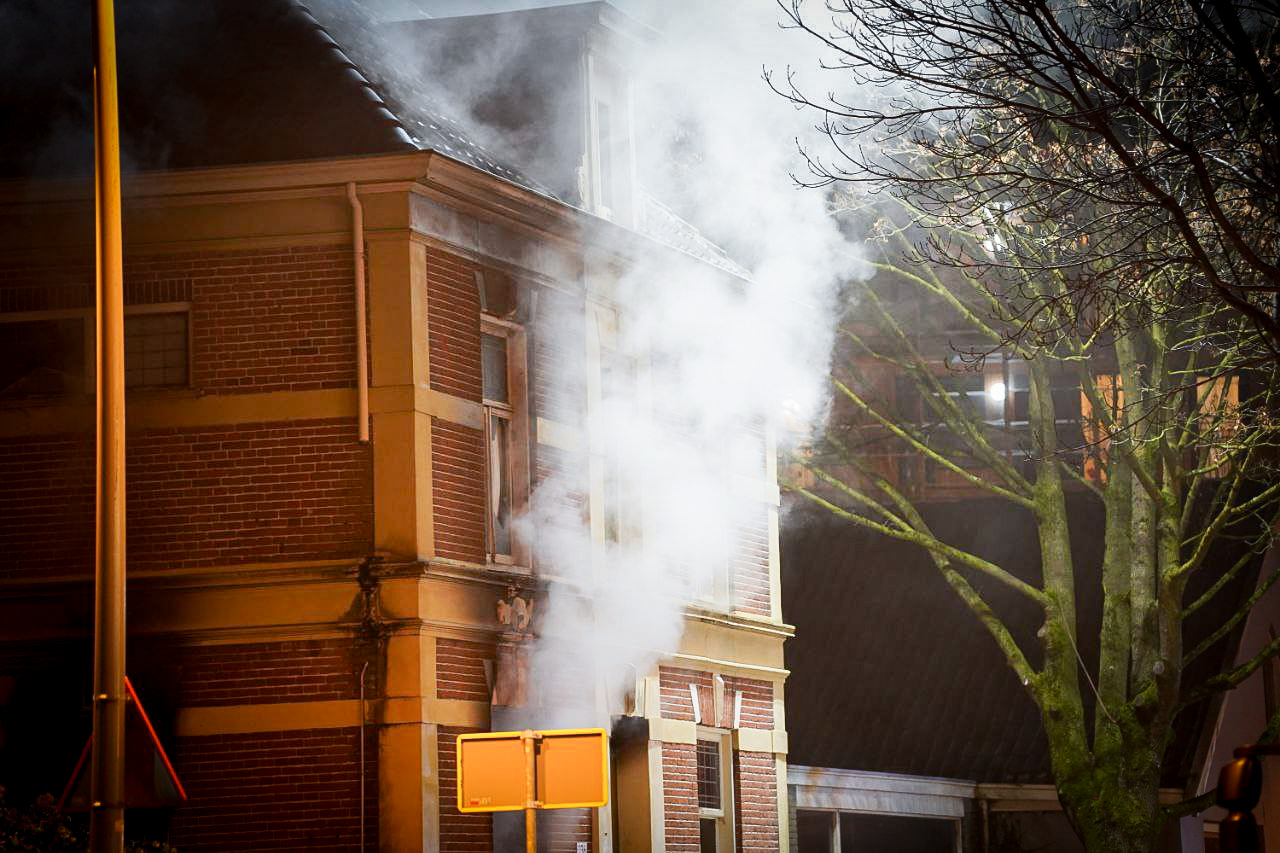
[(890, 672), (200, 84), (259, 81)]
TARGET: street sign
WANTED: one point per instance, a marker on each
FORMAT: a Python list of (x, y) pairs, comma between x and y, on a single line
[(491, 771), (570, 770)]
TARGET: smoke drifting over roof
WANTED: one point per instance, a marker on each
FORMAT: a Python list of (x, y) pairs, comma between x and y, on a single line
[(711, 348)]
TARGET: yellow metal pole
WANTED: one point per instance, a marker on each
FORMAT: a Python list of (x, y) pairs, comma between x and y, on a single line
[(530, 796), (106, 822)]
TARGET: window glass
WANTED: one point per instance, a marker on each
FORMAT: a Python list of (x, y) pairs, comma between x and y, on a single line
[(873, 833), (708, 774), (707, 835), (42, 357), (500, 483), (814, 831), (155, 350), (493, 358)]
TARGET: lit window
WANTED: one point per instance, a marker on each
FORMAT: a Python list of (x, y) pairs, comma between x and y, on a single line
[(155, 350), (506, 465)]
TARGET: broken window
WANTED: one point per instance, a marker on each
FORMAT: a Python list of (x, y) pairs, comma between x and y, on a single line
[(506, 437)]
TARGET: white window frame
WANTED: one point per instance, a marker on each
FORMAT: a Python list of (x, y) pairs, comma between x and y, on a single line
[(724, 816)]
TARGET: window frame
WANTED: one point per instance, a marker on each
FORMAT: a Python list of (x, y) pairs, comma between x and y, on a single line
[(724, 816), (515, 410), (183, 308), (90, 354)]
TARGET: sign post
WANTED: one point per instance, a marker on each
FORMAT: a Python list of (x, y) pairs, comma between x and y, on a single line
[(531, 770)]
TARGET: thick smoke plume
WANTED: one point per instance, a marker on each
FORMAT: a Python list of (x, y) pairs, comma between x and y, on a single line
[(699, 365)]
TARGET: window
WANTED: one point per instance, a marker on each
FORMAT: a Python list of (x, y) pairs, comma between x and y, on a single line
[(51, 353), (715, 827), (505, 435), (155, 350), (45, 356)]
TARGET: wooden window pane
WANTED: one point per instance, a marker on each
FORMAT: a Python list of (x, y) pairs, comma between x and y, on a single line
[(709, 775), (493, 358)]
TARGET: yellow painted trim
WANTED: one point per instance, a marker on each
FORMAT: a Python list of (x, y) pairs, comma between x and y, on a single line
[(781, 743), (731, 667), (426, 401), (559, 435), (784, 805), (753, 740), (273, 717), (676, 731), (444, 712), (185, 409)]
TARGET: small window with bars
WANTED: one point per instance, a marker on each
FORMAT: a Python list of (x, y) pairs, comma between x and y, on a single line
[(155, 350), (709, 776)]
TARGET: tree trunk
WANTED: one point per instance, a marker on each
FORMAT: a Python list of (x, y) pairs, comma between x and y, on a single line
[(1114, 804)]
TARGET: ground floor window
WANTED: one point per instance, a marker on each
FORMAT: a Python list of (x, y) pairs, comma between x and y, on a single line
[(856, 832), (715, 807)]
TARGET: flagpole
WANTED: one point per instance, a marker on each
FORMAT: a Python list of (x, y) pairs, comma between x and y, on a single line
[(106, 822)]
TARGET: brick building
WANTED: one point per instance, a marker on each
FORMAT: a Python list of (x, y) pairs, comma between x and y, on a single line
[(317, 554)]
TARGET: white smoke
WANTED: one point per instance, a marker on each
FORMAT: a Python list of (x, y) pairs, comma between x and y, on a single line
[(707, 362)]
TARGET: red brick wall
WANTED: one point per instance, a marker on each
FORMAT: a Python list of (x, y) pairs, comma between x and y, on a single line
[(197, 497), (45, 284), (680, 797), (460, 669), (755, 801), (453, 325), (296, 790), (757, 701), (264, 319), (457, 482), (46, 505), (750, 565), (459, 833), (213, 495), (250, 673), (677, 704)]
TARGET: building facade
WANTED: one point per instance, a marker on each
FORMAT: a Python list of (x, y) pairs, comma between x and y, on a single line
[(348, 376)]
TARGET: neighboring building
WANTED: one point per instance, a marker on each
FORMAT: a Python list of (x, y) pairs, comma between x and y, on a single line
[(909, 730), (313, 608)]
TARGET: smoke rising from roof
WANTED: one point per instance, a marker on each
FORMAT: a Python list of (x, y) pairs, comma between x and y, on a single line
[(697, 365)]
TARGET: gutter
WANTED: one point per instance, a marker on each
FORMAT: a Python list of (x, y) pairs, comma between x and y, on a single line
[(362, 342)]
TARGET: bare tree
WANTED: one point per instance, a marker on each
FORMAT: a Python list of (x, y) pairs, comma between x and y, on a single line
[(991, 377), (1148, 128)]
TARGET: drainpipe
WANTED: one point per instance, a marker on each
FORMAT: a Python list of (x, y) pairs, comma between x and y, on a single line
[(362, 343), (363, 669)]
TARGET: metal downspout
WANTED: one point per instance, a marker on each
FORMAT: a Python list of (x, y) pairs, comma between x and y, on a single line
[(362, 330)]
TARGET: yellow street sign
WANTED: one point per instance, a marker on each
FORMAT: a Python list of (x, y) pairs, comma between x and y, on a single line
[(570, 769), (491, 770)]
